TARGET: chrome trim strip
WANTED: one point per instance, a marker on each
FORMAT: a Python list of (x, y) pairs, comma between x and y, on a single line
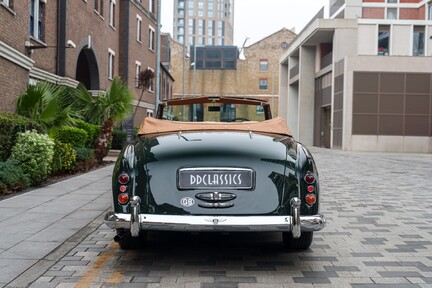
[(215, 223)]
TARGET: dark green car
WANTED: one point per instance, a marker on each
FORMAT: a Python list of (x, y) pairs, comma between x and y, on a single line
[(215, 164)]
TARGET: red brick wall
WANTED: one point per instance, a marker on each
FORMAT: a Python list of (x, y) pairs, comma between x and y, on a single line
[(414, 14), (373, 13), (11, 83), (14, 25)]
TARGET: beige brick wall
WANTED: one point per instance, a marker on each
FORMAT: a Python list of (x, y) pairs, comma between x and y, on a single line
[(244, 81)]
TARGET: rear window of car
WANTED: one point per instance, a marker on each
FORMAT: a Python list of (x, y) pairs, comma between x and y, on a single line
[(214, 112)]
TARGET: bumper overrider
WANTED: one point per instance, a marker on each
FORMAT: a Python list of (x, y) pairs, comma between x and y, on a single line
[(135, 221)]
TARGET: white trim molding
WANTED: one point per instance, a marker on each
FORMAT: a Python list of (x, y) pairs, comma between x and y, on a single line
[(15, 56)]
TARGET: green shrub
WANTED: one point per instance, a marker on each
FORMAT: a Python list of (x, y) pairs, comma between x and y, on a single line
[(92, 130), (85, 158), (119, 139), (71, 135), (12, 177), (64, 157), (10, 126), (34, 152)]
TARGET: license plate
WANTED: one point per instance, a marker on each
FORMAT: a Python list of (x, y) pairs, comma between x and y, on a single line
[(221, 178)]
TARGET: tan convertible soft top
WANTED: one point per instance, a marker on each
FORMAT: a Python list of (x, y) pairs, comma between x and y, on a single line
[(274, 126)]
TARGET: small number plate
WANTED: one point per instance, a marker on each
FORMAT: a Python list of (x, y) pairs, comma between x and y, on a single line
[(220, 178)]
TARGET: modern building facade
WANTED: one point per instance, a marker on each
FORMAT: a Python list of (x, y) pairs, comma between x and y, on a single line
[(362, 80), (204, 22), (82, 41), (219, 71)]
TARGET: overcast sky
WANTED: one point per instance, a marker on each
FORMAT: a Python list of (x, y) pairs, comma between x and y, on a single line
[(258, 19)]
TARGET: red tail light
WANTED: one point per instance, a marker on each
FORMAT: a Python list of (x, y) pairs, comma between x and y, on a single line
[(123, 198), (311, 189), (309, 178), (123, 178), (310, 199)]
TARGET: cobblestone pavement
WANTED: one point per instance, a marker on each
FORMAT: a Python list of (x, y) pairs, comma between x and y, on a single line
[(379, 234)]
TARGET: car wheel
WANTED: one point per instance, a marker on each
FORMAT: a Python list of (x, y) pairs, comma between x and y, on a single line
[(302, 243), (127, 242)]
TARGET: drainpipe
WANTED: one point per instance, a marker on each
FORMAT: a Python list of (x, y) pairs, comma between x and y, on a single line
[(61, 38)]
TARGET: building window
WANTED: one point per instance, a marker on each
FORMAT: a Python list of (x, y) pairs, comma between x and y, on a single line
[(201, 8), (210, 8), (37, 21), (263, 65), (111, 55), (151, 38), (210, 28), (383, 39), (151, 6), (150, 113), (201, 27), (392, 1), (150, 88), (191, 7), (112, 13), (263, 84), (180, 39), (138, 28), (418, 41), (7, 3), (392, 13), (98, 7), (137, 71)]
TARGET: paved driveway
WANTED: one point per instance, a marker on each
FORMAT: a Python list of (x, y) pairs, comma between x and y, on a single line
[(379, 234)]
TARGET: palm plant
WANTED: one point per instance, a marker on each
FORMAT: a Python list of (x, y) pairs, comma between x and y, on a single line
[(45, 103), (106, 109)]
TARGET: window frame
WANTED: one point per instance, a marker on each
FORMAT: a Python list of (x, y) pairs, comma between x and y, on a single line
[(37, 21), (150, 88), (112, 13), (139, 28), (423, 28), (261, 87), (384, 29), (261, 65), (151, 6), (137, 71), (111, 62), (152, 38)]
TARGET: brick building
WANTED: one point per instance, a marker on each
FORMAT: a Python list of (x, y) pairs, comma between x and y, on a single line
[(254, 76), (82, 41), (362, 80)]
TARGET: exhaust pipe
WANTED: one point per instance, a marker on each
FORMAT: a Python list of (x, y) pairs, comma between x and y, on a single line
[(120, 235)]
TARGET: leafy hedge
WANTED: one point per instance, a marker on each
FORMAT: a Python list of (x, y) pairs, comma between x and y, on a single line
[(10, 126), (71, 135), (12, 177), (34, 152), (64, 157), (85, 158), (119, 139), (92, 130)]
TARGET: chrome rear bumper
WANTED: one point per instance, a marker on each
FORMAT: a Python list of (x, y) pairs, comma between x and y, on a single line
[(214, 223)]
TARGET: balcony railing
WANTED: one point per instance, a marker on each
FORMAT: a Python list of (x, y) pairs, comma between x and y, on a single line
[(294, 71), (326, 60)]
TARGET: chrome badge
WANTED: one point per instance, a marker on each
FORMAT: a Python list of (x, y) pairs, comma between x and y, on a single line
[(187, 201)]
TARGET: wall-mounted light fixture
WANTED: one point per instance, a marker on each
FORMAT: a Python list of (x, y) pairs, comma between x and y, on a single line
[(29, 47)]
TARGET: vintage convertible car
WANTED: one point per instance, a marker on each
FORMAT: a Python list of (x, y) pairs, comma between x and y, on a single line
[(215, 164)]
